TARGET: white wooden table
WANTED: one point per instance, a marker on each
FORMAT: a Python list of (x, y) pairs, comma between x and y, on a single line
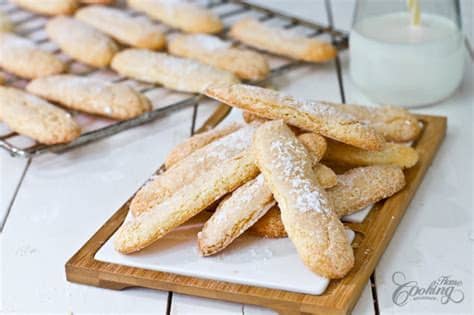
[(57, 202)]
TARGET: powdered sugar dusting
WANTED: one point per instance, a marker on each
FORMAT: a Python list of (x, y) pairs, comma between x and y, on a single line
[(207, 42), (321, 109), (251, 189), (229, 145), (305, 193), (184, 74)]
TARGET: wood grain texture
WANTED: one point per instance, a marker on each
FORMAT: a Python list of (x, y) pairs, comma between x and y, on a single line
[(372, 237)]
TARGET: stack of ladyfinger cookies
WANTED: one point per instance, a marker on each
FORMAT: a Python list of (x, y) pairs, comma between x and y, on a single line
[(273, 176), (99, 35)]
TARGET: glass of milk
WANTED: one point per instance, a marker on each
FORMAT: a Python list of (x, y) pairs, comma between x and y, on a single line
[(407, 53)]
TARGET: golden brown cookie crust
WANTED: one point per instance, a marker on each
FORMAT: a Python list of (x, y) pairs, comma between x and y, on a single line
[(281, 42), (198, 141), (81, 41), (22, 57), (145, 229), (312, 116), (307, 213), (91, 95), (32, 116), (196, 164), (245, 64), (176, 73), (390, 154), (355, 190)]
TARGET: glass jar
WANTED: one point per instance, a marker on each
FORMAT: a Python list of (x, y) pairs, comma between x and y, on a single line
[(395, 60)]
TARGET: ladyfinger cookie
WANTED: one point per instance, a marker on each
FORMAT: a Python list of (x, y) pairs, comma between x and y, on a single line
[(281, 41), (149, 226), (33, 117), (173, 72), (307, 213), (23, 58), (312, 116), (91, 95), (187, 170), (391, 153), (394, 123), (198, 141), (81, 41), (356, 189), (314, 143), (247, 204), (5, 23), (49, 7), (134, 31), (244, 63), (182, 15)]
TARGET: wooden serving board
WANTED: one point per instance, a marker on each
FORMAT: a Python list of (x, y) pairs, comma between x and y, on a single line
[(372, 237)]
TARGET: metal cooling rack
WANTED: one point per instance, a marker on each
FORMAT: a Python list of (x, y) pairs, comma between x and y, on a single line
[(164, 100)]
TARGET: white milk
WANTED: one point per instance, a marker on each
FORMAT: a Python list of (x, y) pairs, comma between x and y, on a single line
[(396, 63)]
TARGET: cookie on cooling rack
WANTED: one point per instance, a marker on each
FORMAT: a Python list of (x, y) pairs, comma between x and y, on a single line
[(81, 41), (133, 31), (22, 57), (34, 117)]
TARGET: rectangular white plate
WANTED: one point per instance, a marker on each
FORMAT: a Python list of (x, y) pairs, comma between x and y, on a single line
[(249, 260)]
